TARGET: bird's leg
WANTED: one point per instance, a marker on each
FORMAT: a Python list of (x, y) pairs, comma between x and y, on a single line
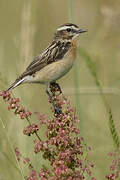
[(56, 108), (55, 87)]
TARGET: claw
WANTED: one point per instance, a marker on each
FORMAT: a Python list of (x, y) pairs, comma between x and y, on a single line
[(55, 87), (58, 111)]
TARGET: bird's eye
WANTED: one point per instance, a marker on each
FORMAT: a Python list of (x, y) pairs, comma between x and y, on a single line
[(68, 29)]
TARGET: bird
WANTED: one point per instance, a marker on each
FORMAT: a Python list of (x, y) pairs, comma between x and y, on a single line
[(53, 62)]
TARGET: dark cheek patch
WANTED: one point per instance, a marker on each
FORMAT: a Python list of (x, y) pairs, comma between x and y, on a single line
[(62, 33)]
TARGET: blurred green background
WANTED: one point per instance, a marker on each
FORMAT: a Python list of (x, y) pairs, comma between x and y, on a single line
[(26, 28)]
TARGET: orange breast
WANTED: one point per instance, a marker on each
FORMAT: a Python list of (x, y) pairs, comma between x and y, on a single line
[(73, 50)]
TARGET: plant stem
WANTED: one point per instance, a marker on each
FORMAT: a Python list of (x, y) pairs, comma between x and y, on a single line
[(35, 132), (91, 67), (76, 74), (11, 147)]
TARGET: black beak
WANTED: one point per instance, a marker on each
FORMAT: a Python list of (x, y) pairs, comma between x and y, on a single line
[(82, 30)]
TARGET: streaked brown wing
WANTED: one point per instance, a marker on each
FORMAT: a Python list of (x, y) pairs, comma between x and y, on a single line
[(52, 53)]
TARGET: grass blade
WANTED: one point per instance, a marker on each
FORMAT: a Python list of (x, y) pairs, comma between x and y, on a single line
[(91, 68)]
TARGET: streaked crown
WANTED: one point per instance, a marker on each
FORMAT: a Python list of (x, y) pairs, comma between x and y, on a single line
[(68, 31)]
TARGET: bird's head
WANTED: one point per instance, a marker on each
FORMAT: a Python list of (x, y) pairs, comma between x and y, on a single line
[(68, 31)]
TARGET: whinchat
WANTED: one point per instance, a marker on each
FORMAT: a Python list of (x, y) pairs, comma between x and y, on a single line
[(55, 61)]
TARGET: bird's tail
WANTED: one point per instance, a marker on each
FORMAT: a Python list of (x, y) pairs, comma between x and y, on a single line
[(16, 83)]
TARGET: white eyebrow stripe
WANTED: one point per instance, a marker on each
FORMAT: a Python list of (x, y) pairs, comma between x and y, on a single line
[(65, 27), (62, 28)]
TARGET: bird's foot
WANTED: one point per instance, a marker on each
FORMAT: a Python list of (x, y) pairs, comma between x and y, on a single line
[(55, 87), (57, 110)]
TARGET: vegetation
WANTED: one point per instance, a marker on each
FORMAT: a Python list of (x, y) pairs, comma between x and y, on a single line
[(92, 87)]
